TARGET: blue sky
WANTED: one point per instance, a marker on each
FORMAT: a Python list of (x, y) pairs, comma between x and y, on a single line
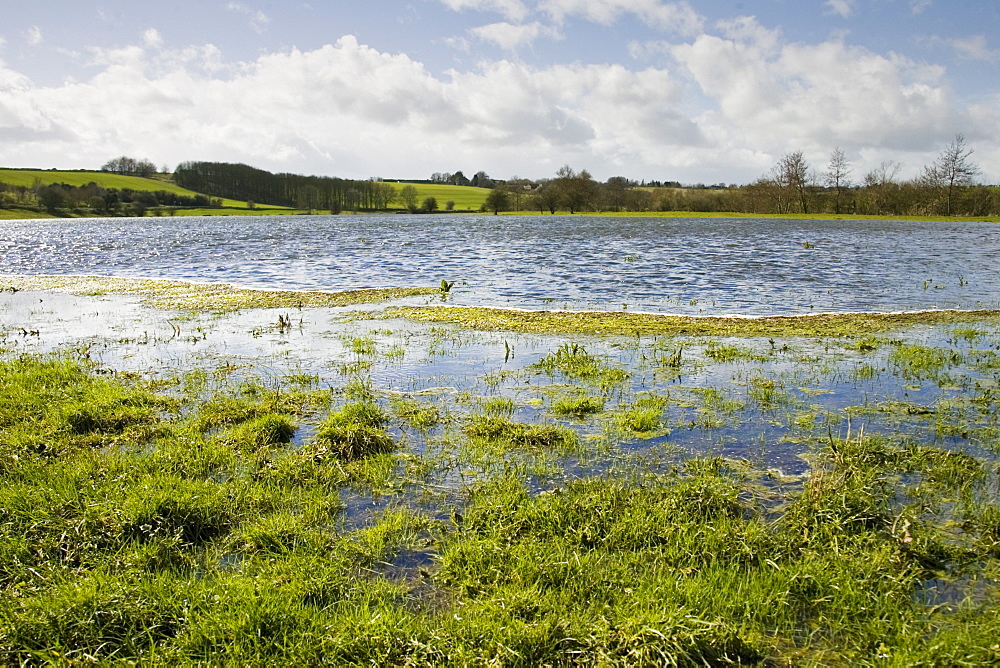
[(699, 91)]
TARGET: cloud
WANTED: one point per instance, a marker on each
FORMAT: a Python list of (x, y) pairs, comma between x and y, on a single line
[(513, 10), (675, 17), (721, 106), (510, 37), (33, 36), (258, 19), (781, 96), (918, 6), (974, 48), (152, 38), (842, 7)]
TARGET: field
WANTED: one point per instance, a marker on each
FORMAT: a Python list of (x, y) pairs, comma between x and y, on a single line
[(28, 178), (437, 486), (466, 198)]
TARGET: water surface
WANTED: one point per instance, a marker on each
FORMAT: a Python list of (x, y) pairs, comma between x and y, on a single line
[(666, 265)]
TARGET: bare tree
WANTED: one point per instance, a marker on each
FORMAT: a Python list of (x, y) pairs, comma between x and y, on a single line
[(792, 173), (952, 170), (838, 172), (880, 184)]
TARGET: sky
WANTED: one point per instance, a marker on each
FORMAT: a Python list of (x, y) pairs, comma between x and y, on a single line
[(697, 91)]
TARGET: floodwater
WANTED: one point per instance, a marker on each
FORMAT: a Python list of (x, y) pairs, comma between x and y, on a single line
[(770, 404), (665, 265)]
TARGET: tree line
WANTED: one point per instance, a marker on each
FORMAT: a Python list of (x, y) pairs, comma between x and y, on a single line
[(945, 187), (242, 182), (92, 198), (130, 167)]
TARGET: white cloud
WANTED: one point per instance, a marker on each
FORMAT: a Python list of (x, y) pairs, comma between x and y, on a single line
[(33, 36), (842, 7), (785, 96), (152, 38), (510, 37), (726, 107), (258, 19), (675, 17), (918, 6), (513, 10), (975, 48)]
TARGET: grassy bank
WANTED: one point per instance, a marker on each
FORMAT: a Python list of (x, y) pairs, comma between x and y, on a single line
[(777, 497)]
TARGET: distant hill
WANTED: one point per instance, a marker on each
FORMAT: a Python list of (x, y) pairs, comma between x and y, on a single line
[(274, 192), (31, 177)]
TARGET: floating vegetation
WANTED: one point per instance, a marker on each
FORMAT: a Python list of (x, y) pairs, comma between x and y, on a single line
[(574, 362), (632, 324), (578, 406), (208, 296), (502, 430)]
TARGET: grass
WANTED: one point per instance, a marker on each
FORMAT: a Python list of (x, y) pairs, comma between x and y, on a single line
[(29, 177), (466, 198), (197, 516), (205, 296), (635, 324)]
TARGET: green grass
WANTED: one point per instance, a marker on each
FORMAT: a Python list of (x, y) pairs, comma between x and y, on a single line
[(21, 214), (633, 324), (29, 177), (466, 198), (205, 296), (216, 517)]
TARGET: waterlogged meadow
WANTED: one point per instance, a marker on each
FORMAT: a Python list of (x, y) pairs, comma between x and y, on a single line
[(419, 485)]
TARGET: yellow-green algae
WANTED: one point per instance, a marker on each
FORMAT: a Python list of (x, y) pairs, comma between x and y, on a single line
[(209, 296), (646, 324)]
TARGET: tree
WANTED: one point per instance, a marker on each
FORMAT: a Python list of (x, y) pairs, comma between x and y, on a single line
[(792, 174), (952, 170), (616, 189), (880, 184), (430, 204), (837, 172), (308, 198), (408, 197), (481, 180), (129, 167), (498, 199), (51, 197), (547, 197), (577, 190)]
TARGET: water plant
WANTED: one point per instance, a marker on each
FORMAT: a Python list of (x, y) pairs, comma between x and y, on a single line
[(573, 361), (578, 406), (355, 431), (162, 516)]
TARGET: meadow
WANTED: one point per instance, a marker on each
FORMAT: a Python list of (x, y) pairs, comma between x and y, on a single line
[(207, 482), (466, 198)]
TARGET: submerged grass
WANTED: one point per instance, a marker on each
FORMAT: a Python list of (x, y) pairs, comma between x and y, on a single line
[(208, 296), (214, 518), (632, 324)]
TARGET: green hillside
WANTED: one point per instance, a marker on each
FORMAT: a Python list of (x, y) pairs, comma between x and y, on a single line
[(466, 198), (29, 177)]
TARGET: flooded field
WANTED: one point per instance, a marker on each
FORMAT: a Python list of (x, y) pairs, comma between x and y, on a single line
[(268, 481), (677, 265)]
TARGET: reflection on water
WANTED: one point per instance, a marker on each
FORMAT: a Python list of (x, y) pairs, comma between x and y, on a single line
[(672, 265)]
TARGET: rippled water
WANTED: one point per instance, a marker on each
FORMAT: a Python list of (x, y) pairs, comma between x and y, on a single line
[(670, 265)]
